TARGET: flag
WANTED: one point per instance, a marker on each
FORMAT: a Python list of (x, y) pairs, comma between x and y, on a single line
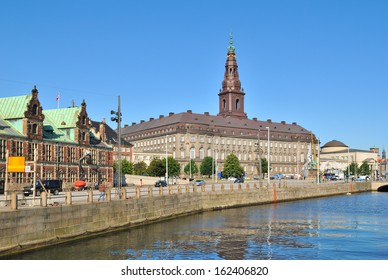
[(58, 96)]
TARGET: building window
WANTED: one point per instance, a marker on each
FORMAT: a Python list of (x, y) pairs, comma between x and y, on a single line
[(3, 148), (192, 153), (201, 153)]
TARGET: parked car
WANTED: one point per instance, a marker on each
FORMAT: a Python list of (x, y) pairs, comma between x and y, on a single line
[(276, 176), (362, 178), (161, 183), (200, 182), (52, 186), (239, 180)]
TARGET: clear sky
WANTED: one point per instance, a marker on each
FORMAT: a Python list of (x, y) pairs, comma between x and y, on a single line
[(320, 63)]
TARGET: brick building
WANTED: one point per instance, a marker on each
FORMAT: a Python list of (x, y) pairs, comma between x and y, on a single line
[(59, 136)]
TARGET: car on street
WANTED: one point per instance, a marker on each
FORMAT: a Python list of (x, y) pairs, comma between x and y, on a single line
[(52, 186), (200, 182), (239, 180), (161, 183), (276, 176), (362, 178)]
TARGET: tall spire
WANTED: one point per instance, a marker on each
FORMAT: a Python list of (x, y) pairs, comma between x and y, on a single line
[(231, 96)]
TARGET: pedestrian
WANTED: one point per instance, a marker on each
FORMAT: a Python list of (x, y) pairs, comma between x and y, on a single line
[(102, 190)]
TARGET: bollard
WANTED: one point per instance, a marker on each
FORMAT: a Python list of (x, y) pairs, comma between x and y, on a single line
[(213, 187), (179, 189), (222, 187), (43, 199), (169, 189), (150, 192), (255, 186), (137, 192), (247, 187), (14, 201), (68, 197), (203, 188), (231, 187), (239, 187), (108, 195), (194, 188), (187, 189), (90, 196), (160, 191), (124, 193)]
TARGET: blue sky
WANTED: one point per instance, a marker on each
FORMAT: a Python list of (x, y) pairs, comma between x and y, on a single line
[(322, 64)]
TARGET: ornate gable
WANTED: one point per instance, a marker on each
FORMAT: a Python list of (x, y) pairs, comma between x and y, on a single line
[(83, 125), (33, 117)]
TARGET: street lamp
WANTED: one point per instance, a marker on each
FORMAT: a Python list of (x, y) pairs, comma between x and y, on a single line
[(268, 155), (117, 118)]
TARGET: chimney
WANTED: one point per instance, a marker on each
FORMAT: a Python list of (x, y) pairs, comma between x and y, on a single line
[(170, 114), (283, 122), (72, 103), (269, 120), (133, 123), (142, 121), (255, 119), (294, 123), (189, 111), (161, 116), (206, 113), (151, 119)]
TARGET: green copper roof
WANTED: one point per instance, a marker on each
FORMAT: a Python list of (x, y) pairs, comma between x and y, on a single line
[(63, 117), (14, 107)]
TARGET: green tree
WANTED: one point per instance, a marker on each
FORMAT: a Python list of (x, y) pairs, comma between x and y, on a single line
[(207, 167), (126, 167), (353, 169), (174, 167), (232, 167), (139, 168), (264, 167), (364, 169), (194, 168), (156, 168)]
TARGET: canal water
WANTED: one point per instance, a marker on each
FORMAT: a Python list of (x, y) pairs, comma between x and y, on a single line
[(346, 227)]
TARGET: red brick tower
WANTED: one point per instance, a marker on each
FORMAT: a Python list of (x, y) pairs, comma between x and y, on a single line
[(231, 96)]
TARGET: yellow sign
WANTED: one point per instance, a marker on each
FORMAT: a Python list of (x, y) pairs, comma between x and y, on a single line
[(16, 164)]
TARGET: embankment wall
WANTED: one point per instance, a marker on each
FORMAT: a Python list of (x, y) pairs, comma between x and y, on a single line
[(30, 228)]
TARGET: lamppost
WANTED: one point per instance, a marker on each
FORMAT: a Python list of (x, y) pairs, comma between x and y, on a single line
[(348, 164), (117, 119), (268, 155), (166, 161)]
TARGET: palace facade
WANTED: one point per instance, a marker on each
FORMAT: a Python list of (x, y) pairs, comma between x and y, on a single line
[(190, 135)]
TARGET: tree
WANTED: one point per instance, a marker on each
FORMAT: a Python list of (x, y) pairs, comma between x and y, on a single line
[(194, 168), (353, 169), (232, 167), (174, 167), (207, 167), (264, 167), (139, 168), (156, 168), (126, 167), (364, 169)]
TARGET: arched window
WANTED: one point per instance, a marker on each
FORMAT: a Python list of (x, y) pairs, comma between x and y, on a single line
[(34, 128), (237, 104), (224, 104), (34, 110)]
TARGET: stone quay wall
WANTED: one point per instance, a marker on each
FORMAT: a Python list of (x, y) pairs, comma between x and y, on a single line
[(30, 228)]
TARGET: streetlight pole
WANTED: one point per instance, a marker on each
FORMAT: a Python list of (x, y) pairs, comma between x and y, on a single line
[(268, 156), (348, 164), (118, 120), (166, 161)]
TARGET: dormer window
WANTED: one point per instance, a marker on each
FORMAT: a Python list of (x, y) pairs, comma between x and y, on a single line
[(84, 120)]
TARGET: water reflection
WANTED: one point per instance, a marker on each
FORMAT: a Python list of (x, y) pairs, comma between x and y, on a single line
[(344, 227)]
